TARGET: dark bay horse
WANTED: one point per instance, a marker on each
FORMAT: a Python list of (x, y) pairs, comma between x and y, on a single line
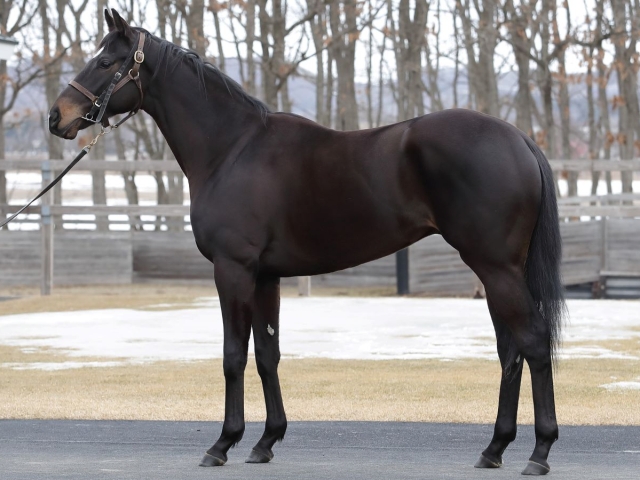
[(276, 195)]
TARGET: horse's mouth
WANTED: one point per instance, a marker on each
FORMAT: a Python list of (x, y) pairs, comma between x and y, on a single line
[(71, 131)]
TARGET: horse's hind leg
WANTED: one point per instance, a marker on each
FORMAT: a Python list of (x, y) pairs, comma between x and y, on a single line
[(506, 422), (510, 298), (266, 334)]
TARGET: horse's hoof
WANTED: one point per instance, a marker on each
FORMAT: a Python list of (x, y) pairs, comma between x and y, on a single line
[(484, 462), (535, 468), (259, 457), (211, 461)]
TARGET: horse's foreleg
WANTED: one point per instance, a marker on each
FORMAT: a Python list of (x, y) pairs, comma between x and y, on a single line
[(236, 286), (506, 422), (266, 333)]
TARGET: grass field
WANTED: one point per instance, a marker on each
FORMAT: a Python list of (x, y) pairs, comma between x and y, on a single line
[(28, 300), (313, 389)]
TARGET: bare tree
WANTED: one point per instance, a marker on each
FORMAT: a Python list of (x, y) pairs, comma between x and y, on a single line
[(522, 25), (408, 39), (22, 13), (53, 72), (319, 34), (481, 71), (625, 38), (193, 15), (344, 31), (432, 61)]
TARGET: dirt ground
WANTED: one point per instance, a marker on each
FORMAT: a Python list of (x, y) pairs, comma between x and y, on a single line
[(313, 389)]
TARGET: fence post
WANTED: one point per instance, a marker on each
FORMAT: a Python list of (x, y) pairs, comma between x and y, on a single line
[(304, 286), (46, 228), (402, 271), (604, 260)]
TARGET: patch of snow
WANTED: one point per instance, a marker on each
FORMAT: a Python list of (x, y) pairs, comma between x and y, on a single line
[(339, 328), (621, 386), (52, 366)]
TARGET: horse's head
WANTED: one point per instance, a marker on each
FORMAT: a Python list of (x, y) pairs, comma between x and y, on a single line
[(78, 106)]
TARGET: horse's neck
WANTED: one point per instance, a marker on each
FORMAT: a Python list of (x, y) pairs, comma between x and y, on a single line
[(201, 129)]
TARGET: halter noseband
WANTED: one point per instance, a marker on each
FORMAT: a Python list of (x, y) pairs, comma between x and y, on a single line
[(99, 103)]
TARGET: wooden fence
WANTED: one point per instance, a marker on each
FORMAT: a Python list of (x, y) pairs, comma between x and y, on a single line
[(604, 246)]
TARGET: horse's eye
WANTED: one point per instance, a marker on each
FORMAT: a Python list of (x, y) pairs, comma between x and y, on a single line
[(104, 63)]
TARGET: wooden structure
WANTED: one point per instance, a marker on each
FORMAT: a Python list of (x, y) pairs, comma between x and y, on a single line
[(601, 236)]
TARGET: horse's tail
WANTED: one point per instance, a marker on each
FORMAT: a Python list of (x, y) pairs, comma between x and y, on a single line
[(542, 268)]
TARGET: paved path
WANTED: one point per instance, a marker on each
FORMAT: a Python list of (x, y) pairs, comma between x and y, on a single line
[(56, 449)]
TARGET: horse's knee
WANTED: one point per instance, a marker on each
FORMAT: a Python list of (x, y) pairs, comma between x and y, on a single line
[(267, 361), (234, 365)]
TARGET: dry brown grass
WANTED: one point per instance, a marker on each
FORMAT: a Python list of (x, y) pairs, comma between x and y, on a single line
[(101, 297), (140, 296), (313, 389), (318, 389)]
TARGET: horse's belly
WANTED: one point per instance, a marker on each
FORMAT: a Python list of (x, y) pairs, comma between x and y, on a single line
[(335, 244)]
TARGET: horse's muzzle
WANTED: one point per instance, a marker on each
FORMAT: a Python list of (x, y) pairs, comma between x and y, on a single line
[(69, 131), (54, 119)]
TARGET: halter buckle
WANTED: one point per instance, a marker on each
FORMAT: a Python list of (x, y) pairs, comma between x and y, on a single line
[(138, 57)]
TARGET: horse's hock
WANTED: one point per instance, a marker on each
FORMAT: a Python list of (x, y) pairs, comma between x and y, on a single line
[(598, 252)]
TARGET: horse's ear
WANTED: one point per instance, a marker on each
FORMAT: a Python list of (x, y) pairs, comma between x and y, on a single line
[(121, 25), (109, 19)]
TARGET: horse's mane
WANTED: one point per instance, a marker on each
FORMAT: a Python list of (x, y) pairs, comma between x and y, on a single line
[(172, 56)]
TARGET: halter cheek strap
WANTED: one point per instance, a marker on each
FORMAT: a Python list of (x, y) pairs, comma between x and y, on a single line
[(99, 103)]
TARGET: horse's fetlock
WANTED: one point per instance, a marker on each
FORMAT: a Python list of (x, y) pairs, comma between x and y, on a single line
[(276, 428), (505, 434), (233, 434), (547, 433)]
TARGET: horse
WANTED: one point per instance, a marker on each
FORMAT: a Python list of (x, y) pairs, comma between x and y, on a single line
[(276, 195)]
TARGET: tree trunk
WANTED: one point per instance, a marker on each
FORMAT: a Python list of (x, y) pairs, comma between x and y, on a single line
[(518, 22), (483, 83), (3, 178), (342, 17), (605, 122), (408, 38), (319, 35), (195, 28), (251, 37)]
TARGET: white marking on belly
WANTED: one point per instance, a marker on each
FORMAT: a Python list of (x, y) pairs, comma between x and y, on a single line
[(270, 330)]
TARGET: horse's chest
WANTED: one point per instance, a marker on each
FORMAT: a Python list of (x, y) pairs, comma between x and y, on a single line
[(221, 227)]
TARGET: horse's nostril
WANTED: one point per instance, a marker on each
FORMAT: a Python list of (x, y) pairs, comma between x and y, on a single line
[(54, 117)]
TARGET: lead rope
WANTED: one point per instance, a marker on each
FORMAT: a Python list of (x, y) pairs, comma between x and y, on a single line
[(103, 131)]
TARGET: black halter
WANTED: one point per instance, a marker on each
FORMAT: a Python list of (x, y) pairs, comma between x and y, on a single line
[(99, 103)]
